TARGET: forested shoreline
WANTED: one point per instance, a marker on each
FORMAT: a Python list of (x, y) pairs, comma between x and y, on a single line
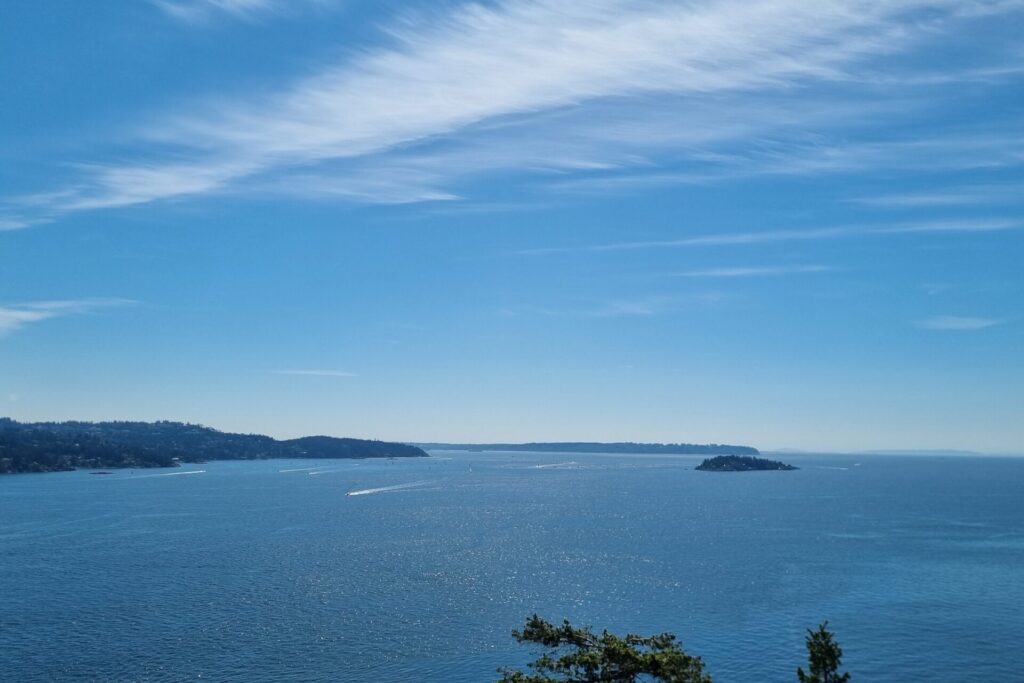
[(625, 447), (61, 446)]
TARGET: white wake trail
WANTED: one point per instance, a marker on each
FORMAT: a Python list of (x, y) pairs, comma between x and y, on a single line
[(384, 489)]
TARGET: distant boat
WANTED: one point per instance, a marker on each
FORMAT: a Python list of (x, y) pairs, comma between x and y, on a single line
[(102, 472)]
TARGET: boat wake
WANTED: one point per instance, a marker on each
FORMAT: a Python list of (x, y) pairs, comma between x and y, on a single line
[(386, 489), (556, 465)]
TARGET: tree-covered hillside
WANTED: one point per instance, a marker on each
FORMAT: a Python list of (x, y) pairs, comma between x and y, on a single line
[(597, 447), (54, 446)]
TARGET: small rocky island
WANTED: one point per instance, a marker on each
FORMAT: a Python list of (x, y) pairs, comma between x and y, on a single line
[(740, 463)]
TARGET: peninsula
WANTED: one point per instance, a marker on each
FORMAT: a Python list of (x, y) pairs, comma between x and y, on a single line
[(596, 447), (739, 463), (59, 446)]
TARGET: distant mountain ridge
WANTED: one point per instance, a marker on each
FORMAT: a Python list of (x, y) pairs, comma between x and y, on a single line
[(599, 447), (57, 446)]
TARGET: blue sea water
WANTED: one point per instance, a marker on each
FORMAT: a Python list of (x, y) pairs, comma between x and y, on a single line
[(267, 571)]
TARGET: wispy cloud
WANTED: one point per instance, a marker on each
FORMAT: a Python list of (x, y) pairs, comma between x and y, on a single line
[(315, 373), (967, 225), (479, 84), (13, 317), (805, 234), (956, 323), (619, 307), (14, 223), (201, 10), (721, 239), (921, 199), (986, 74), (754, 271), (954, 196), (116, 186), (953, 150)]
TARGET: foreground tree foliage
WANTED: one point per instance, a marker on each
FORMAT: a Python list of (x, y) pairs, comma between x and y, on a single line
[(823, 658), (581, 656), (578, 655)]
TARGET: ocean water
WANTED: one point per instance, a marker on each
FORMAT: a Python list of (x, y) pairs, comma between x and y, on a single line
[(267, 571)]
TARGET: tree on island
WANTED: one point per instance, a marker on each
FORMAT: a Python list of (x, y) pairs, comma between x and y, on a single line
[(578, 655), (740, 463), (581, 656), (823, 658)]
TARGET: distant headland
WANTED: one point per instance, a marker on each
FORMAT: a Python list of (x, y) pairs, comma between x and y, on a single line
[(596, 447), (739, 463), (61, 446)]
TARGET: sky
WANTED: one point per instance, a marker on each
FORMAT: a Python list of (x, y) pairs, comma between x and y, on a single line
[(780, 223)]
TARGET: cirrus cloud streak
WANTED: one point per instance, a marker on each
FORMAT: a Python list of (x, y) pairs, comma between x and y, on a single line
[(14, 317), (956, 323), (511, 86)]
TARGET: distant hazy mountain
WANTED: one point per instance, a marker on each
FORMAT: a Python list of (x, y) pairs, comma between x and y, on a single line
[(919, 451), (594, 447), (52, 446)]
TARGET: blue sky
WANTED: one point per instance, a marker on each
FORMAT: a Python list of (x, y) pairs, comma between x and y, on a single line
[(780, 223)]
